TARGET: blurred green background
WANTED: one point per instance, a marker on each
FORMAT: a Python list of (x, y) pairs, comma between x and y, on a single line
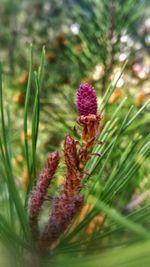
[(85, 41)]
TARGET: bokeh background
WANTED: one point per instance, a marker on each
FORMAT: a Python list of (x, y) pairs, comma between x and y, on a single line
[(85, 41)]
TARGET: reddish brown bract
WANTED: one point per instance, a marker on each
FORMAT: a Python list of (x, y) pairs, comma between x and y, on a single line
[(90, 133), (40, 191), (70, 201), (70, 153), (65, 208), (91, 128)]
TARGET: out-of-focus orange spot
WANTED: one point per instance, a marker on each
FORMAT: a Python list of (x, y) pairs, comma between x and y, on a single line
[(22, 80), (27, 137), (115, 96), (95, 224), (18, 160), (19, 98), (25, 179), (85, 210), (141, 98), (51, 57)]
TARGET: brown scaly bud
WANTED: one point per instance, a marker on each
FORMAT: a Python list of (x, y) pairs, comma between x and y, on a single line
[(74, 175), (38, 195), (73, 183), (70, 153), (70, 200), (91, 130), (90, 133), (62, 214)]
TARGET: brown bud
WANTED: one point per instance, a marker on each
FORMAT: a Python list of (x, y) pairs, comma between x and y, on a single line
[(62, 214), (38, 195), (70, 153)]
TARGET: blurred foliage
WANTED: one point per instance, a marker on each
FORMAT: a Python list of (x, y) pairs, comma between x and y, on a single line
[(86, 40)]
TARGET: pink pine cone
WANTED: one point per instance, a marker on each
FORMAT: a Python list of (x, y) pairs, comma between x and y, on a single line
[(86, 100)]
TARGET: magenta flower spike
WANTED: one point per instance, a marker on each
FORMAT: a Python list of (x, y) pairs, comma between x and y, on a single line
[(86, 100)]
